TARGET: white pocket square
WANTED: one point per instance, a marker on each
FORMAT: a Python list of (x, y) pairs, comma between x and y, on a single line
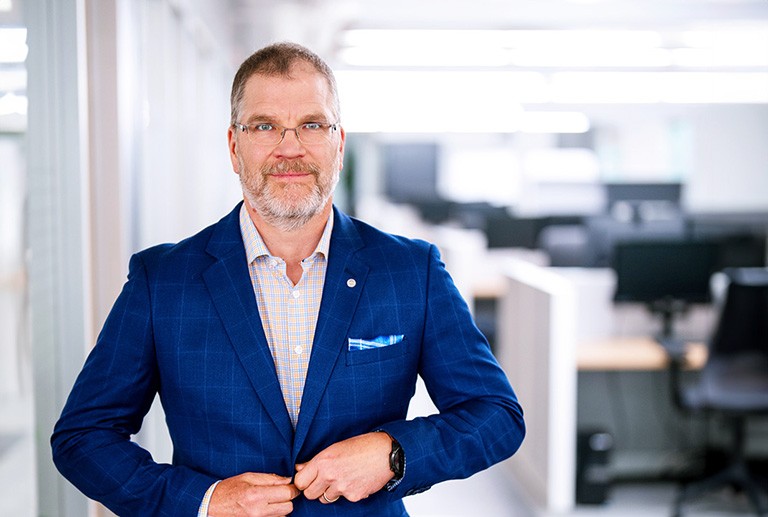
[(377, 342)]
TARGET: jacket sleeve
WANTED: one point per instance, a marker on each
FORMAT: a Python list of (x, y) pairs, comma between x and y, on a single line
[(480, 421), (91, 442)]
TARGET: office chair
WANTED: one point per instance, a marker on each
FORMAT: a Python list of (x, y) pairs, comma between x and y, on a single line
[(733, 385)]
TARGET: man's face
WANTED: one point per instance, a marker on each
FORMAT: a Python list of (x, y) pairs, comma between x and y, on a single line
[(288, 183)]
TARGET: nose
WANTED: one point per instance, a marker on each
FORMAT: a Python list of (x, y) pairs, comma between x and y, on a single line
[(295, 131), (289, 145)]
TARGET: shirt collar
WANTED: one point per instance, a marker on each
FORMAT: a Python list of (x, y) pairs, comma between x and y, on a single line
[(254, 244)]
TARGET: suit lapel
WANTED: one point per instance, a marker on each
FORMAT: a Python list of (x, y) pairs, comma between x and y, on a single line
[(344, 280), (229, 283)]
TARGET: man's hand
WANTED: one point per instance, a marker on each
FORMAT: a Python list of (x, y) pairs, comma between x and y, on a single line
[(253, 495), (354, 468)]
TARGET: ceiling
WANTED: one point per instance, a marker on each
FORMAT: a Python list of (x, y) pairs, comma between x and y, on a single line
[(321, 24), (527, 35)]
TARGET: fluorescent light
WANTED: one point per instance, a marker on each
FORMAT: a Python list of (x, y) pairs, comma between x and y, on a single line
[(708, 87), (588, 39), (423, 57), (587, 48), (424, 48), (710, 58), (746, 38), (498, 48), (659, 87), (745, 47), (13, 78), (577, 57), (414, 38), (13, 45), (729, 47), (11, 104)]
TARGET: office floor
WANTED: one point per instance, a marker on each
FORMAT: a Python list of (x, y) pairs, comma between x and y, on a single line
[(491, 493)]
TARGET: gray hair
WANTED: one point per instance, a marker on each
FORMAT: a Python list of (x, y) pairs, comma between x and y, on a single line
[(278, 60)]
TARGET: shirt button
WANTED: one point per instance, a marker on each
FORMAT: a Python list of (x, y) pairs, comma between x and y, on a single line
[(296, 294), (298, 349)]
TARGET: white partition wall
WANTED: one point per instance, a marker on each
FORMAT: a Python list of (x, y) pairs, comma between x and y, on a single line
[(537, 348), (58, 232), (127, 147)]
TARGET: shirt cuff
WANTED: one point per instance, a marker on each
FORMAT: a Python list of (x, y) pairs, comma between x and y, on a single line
[(203, 510)]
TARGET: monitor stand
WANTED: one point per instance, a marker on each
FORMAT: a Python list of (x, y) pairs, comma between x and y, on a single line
[(668, 309)]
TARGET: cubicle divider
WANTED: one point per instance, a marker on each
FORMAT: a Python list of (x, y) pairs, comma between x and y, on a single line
[(537, 349)]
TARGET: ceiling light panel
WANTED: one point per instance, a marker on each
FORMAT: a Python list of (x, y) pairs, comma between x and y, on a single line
[(727, 47), (13, 45)]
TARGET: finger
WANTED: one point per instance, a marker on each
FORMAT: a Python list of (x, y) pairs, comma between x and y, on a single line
[(304, 477), (279, 494), (329, 496), (261, 479), (254, 491), (295, 492), (316, 489), (280, 509)]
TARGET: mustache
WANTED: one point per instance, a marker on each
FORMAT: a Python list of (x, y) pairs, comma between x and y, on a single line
[(285, 166)]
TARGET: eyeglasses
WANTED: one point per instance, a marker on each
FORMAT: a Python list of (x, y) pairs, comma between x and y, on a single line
[(309, 133)]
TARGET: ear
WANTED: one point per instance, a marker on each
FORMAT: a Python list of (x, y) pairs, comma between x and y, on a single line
[(234, 149), (342, 142)]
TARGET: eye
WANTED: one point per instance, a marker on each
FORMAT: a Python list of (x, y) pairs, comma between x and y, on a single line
[(263, 127), (313, 126)]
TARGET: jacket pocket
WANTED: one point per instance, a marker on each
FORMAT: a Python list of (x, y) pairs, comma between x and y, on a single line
[(362, 351)]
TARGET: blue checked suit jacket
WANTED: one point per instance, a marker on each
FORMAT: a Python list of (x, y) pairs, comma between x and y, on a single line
[(186, 326)]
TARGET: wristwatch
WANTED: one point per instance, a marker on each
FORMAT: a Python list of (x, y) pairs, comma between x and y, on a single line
[(397, 460)]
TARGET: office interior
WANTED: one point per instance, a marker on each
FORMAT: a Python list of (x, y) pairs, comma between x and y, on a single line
[(530, 140)]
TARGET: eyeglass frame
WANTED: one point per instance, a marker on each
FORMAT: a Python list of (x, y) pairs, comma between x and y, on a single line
[(332, 126)]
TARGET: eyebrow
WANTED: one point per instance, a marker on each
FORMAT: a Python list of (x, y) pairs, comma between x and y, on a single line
[(272, 119)]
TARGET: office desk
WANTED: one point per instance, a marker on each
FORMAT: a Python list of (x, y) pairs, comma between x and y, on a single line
[(632, 353)]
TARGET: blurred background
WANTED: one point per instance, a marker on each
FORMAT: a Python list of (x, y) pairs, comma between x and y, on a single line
[(527, 138)]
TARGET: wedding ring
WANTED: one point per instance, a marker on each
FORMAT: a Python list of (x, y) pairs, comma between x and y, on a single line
[(329, 501)]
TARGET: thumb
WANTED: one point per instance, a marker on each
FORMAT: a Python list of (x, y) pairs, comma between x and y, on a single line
[(300, 466)]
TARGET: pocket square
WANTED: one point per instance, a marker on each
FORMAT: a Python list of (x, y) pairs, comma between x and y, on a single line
[(377, 342)]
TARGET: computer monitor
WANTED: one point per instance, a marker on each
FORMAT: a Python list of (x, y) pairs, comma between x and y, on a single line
[(410, 172), (637, 192), (506, 231), (666, 275)]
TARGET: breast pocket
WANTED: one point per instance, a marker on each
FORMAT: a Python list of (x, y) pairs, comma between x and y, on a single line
[(363, 351)]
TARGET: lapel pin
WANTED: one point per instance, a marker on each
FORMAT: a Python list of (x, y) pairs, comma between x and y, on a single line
[(351, 282)]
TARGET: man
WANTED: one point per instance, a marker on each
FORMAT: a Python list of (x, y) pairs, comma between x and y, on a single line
[(285, 342)]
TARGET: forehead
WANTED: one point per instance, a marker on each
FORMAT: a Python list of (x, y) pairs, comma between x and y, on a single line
[(303, 92)]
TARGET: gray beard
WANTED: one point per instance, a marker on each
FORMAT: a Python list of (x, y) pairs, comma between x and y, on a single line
[(286, 214)]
